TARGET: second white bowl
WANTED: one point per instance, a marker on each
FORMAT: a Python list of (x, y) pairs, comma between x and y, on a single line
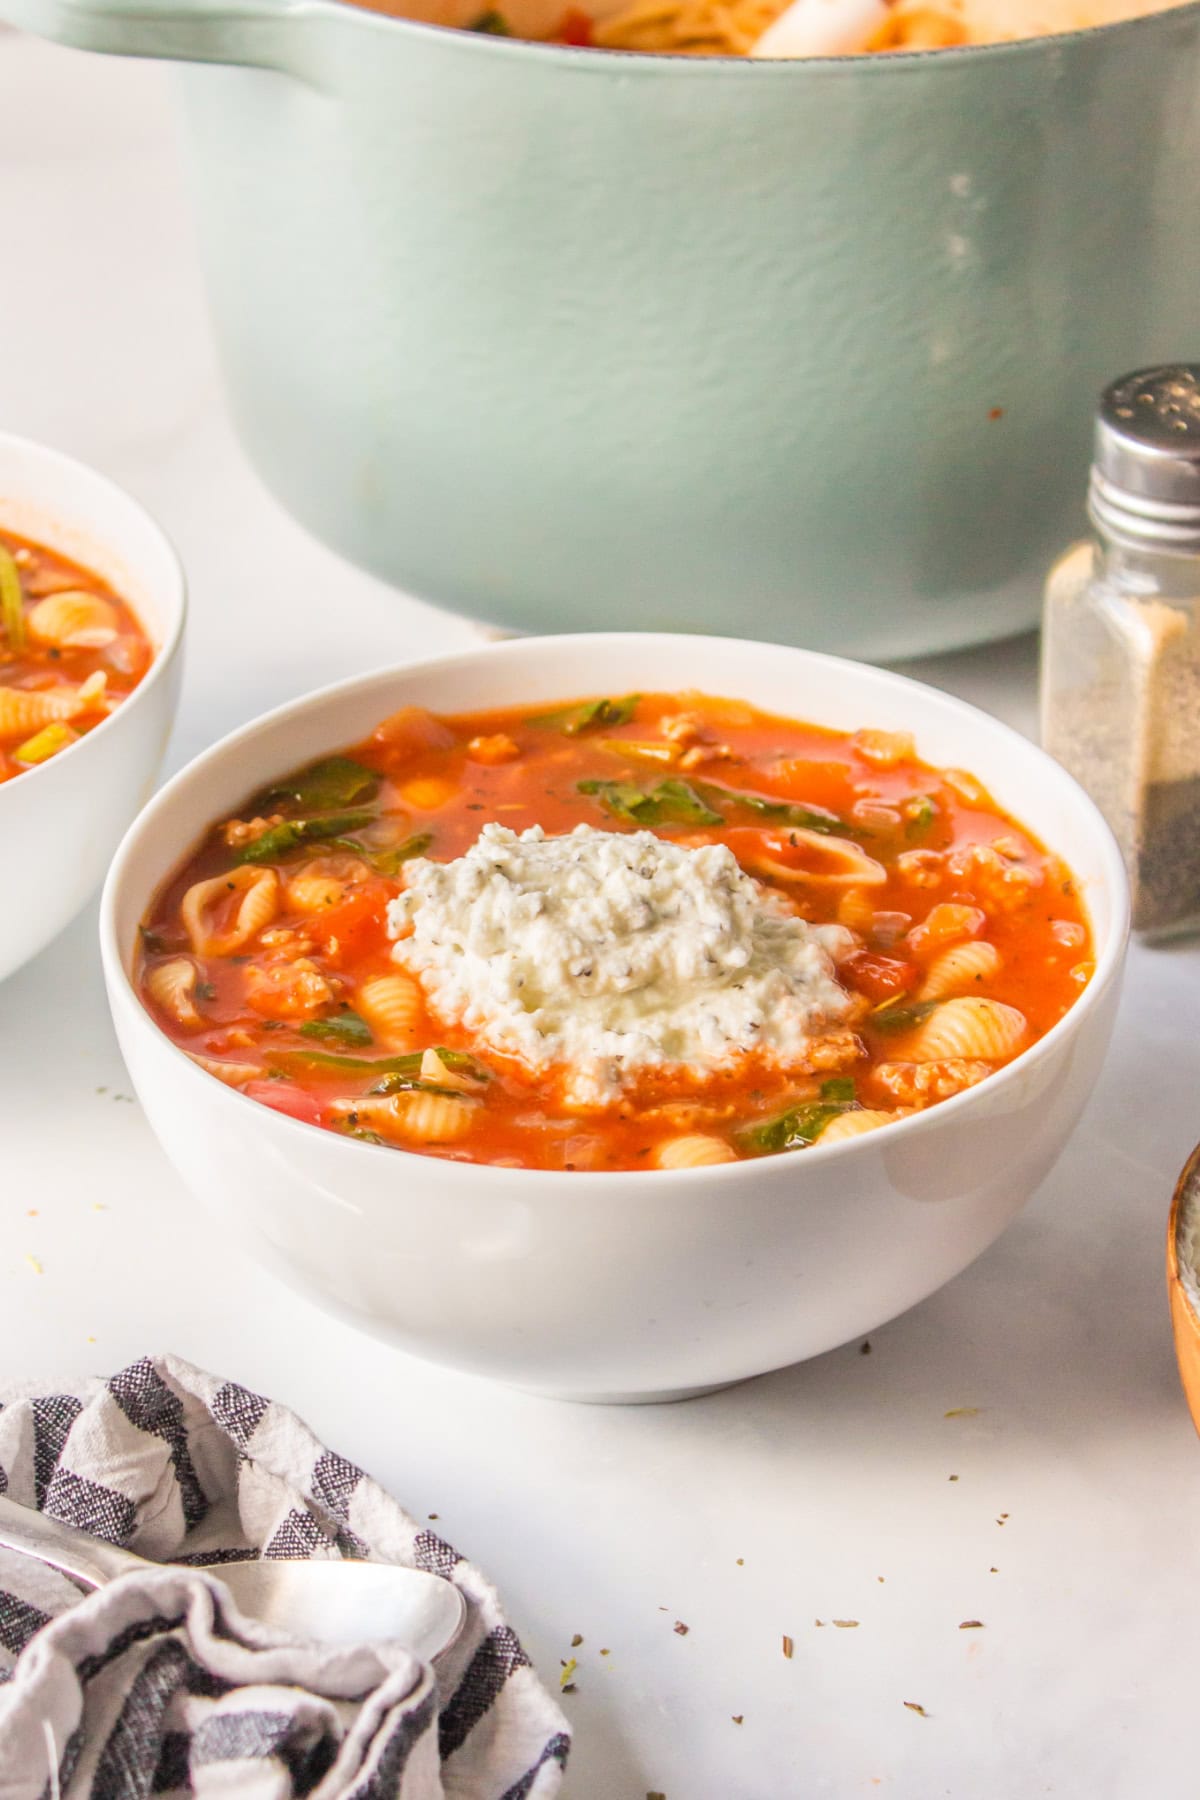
[(60, 822)]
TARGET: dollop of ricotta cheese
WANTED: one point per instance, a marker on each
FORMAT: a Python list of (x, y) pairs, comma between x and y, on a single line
[(605, 954)]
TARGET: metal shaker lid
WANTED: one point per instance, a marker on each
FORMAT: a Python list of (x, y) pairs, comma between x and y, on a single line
[(1145, 485)]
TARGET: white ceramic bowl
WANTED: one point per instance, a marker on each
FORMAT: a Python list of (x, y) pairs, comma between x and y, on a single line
[(638, 1285), (61, 821)]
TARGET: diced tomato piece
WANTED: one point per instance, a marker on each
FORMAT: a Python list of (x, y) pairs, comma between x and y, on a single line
[(358, 924), (576, 28), (285, 1097), (878, 977), (804, 779), (410, 732)]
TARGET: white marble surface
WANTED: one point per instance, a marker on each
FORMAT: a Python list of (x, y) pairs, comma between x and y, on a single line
[(832, 1481)]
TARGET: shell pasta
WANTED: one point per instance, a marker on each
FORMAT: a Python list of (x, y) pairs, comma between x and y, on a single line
[(986, 1030), (221, 915), (963, 969), (634, 931), (391, 1006)]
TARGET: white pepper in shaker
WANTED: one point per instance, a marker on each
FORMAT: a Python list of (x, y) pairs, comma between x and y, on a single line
[(1120, 694)]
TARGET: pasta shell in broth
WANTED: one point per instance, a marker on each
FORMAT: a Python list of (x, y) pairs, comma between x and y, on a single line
[(854, 1124), (856, 910), (843, 864), (695, 1152), (434, 1118), (391, 1006), (323, 882), (25, 710), (434, 1070), (960, 970), (233, 1074), (172, 986), (968, 1029), (74, 620), (246, 900), (412, 1118)]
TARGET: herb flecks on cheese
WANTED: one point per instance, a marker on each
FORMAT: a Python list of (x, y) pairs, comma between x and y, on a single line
[(607, 954)]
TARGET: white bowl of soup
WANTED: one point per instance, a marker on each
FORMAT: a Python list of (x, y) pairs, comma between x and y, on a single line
[(92, 605), (617, 1016)]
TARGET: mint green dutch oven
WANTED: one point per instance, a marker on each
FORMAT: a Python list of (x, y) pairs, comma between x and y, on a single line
[(567, 339)]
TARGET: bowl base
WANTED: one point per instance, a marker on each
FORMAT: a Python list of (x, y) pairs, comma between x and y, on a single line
[(659, 1397)]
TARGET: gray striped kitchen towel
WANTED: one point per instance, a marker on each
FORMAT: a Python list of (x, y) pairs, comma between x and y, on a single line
[(144, 1689)]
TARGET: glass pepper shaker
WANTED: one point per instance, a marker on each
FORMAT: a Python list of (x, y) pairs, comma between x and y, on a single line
[(1120, 692)]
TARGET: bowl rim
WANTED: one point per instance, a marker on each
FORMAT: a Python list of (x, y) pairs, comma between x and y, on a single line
[(1189, 1175), (1108, 963), (172, 636), (655, 63)]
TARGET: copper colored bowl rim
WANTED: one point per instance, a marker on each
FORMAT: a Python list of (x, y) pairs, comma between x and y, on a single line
[(1185, 1318), (1190, 1173)]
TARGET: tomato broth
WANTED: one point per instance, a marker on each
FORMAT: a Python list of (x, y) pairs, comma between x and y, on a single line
[(959, 939)]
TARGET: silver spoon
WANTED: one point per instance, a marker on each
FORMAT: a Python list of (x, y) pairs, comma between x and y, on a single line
[(338, 1603)]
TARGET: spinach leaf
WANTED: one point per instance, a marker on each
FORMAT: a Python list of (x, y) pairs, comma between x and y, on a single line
[(345, 1028), (385, 860), (407, 1066), (800, 1125), (667, 802), (572, 721), (411, 1084), (788, 1131), (781, 812), (900, 1018), (463, 1063), (621, 798), (493, 23), (388, 861), (459, 1061), (363, 1136), (838, 1090), (279, 839), (292, 1061), (335, 781)]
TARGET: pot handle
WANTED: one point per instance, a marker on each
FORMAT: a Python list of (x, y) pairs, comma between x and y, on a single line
[(253, 33)]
